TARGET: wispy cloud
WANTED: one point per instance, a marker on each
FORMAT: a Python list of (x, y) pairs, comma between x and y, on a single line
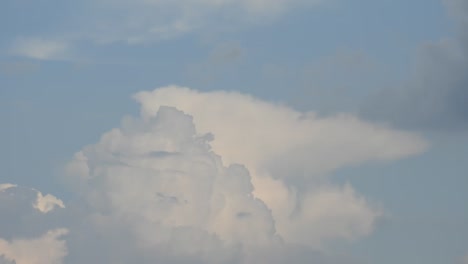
[(41, 49), (144, 21)]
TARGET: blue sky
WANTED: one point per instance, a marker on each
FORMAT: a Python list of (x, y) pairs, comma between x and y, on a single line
[(68, 72)]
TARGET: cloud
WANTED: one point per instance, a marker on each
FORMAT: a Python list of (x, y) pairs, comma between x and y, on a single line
[(147, 20), (6, 186), (26, 212), (264, 135), (435, 96), (47, 249), (42, 203), (183, 189), (27, 234), (103, 22), (40, 48), (47, 203), (214, 177), (289, 155)]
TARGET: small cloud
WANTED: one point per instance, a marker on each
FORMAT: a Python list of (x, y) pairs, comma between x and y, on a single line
[(47, 203), (40, 49), (6, 186)]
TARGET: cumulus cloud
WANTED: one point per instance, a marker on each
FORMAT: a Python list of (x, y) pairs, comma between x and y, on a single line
[(213, 177), (166, 181), (161, 172), (289, 155), (264, 135), (47, 249), (47, 203), (435, 96)]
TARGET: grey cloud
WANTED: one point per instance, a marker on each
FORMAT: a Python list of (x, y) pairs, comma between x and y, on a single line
[(436, 95)]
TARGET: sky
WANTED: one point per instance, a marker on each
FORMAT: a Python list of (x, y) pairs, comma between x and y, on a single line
[(234, 131)]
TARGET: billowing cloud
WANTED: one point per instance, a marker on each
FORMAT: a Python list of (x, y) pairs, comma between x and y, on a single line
[(164, 179), (435, 96), (162, 172), (268, 136), (289, 154), (212, 177)]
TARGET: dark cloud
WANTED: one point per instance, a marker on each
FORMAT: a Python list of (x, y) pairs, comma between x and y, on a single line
[(436, 96)]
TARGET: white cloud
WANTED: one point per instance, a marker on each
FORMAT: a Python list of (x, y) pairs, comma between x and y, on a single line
[(31, 198), (161, 173), (281, 146), (47, 203), (143, 21), (47, 249), (264, 135), (6, 186), (165, 180), (41, 49), (167, 187)]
